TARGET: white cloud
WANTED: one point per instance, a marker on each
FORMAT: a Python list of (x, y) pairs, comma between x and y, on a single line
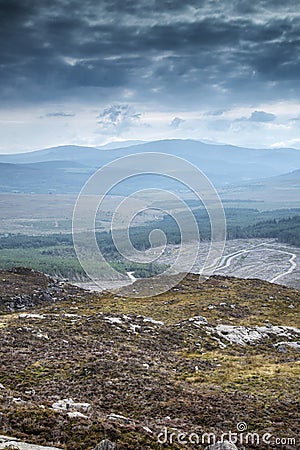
[(117, 119)]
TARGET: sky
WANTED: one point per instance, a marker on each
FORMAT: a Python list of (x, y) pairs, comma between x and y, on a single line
[(95, 71)]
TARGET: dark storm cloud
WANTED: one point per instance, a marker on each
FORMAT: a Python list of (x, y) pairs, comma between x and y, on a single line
[(168, 50)]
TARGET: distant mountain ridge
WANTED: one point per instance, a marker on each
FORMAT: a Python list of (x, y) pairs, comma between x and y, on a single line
[(286, 177), (223, 164)]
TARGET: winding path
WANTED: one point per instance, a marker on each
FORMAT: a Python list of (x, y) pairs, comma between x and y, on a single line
[(131, 276), (227, 260), (290, 270)]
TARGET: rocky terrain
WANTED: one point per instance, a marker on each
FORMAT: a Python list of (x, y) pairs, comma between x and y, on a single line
[(23, 288), (78, 368)]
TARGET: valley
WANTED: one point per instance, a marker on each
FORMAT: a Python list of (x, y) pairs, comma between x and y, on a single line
[(87, 367), (263, 259)]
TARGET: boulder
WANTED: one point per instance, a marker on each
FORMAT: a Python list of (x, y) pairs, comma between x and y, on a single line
[(225, 445), (105, 445), (120, 419)]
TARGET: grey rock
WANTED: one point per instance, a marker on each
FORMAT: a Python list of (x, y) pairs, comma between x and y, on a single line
[(119, 418), (282, 346), (225, 445), (68, 404), (105, 445), (7, 442), (198, 320), (45, 296)]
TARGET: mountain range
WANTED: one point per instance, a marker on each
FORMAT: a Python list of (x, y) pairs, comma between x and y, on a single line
[(64, 169)]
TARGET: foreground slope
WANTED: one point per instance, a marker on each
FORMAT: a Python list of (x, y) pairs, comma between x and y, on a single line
[(78, 367)]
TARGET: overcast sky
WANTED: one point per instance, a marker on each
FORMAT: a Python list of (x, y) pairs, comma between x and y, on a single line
[(94, 71)]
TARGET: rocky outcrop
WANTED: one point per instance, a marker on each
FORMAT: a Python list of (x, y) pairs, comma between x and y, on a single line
[(7, 442), (249, 335), (114, 371), (22, 288)]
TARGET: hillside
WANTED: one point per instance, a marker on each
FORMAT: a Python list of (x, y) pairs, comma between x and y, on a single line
[(223, 164), (283, 188), (78, 367), (287, 177), (43, 177)]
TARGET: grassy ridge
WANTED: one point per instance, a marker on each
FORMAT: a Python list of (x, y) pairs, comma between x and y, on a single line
[(108, 351)]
